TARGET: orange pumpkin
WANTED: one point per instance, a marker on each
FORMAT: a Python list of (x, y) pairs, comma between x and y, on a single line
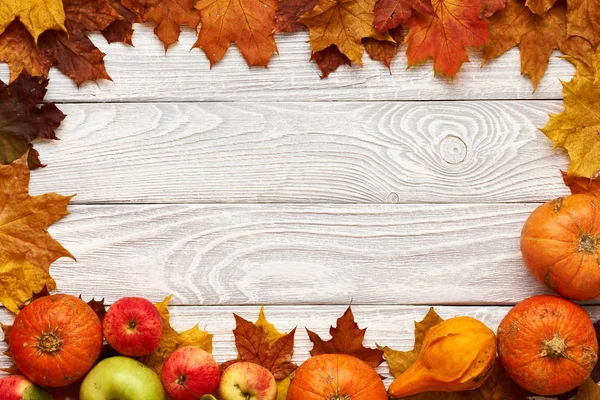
[(560, 243), (547, 345), (336, 377), (55, 340)]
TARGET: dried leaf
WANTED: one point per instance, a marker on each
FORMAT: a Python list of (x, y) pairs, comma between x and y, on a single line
[(491, 6), (98, 307), (589, 390), (343, 23), (539, 7), (38, 16), (536, 36), (498, 386), (391, 13), (445, 36), (88, 15), (28, 249), (577, 128), (247, 23), (120, 31), (582, 185), (384, 51), (23, 121), (262, 344), (288, 12), (20, 52), (169, 15), (346, 338), (583, 20), (171, 340), (329, 59)]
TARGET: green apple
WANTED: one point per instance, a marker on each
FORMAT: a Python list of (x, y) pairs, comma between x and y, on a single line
[(121, 378)]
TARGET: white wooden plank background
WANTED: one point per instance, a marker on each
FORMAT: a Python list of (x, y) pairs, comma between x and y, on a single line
[(308, 163)]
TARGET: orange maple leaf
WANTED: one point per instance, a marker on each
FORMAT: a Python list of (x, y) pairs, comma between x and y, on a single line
[(169, 15), (583, 20), (536, 36), (288, 12), (247, 23), (391, 13), (384, 51), (346, 338), (343, 23), (579, 185), (445, 36), (539, 7)]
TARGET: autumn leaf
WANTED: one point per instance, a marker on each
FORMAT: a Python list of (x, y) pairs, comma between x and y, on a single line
[(539, 7), (38, 16), (582, 185), (498, 386), (328, 60), (169, 15), (391, 13), (121, 30), (536, 36), (445, 36), (491, 6), (346, 338), (589, 390), (583, 20), (343, 23), (98, 307), (247, 23), (384, 51), (262, 344), (577, 128), (27, 247), (288, 12), (23, 121), (171, 340)]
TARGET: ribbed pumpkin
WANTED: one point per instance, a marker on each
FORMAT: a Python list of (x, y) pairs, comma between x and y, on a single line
[(560, 243), (55, 340), (547, 345), (336, 377)]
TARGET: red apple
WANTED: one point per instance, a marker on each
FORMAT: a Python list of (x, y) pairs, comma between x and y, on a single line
[(190, 373), (247, 381), (132, 326), (17, 387)]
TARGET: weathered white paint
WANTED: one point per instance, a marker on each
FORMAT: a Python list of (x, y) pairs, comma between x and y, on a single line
[(377, 152), (146, 73)]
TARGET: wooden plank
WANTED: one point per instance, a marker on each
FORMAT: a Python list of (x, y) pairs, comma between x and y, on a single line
[(376, 152), (386, 325), (145, 73), (298, 254)]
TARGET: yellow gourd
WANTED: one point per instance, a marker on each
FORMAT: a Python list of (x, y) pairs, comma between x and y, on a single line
[(457, 354)]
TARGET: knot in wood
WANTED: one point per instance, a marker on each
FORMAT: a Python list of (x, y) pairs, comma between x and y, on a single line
[(453, 149)]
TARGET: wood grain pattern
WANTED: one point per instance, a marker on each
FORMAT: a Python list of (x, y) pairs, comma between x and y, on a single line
[(386, 325), (379, 152), (297, 254), (145, 73)]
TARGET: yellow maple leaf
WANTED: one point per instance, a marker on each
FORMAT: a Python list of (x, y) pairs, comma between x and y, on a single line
[(577, 128), (27, 247), (38, 16), (171, 340), (343, 23)]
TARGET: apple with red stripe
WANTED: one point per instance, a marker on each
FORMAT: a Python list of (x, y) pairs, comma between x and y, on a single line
[(17, 387)]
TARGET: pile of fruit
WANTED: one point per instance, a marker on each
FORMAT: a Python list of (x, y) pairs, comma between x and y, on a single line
[(546, 345)]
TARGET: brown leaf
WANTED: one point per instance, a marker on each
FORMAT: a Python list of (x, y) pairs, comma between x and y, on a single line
[(247, 23), (120, 31), (329, 21), (286, 18), (582, 185), (88, 15), (171, 340), (491, 6), (536, 36), (391, 13), (38, 16), (169, 15), (23, 121), (589, 390), (329, 59), (98, 307), (20, 52), (539, 7), (583, 20), (261, 344), (346, 338), (384, 51)]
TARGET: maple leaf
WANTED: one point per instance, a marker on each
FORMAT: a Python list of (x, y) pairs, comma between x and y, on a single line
[(247, 23), (171, 340), (288, 12), (343, 23), (391, 13), (346, 338), (491, 6), (169, 15), (577, 128), (582, 185), (384, 51), (589, 390), (445, 36), (539, 7), (262, 344), (498, 386), (583, 20), (121, 30), (536, 36), (27, 247), (98, 307), (38, 16), (329, 59), (22, 121)]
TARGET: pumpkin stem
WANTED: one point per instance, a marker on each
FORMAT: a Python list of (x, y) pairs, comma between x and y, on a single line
[(49, 342), (587, 243), (554, 348)]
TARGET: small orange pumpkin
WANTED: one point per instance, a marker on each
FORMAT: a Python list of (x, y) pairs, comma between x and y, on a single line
[(55, 340), (336, 377), (560, 243), (547, 345)]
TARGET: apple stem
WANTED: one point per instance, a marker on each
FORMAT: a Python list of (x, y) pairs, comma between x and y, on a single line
[(182, 383)]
